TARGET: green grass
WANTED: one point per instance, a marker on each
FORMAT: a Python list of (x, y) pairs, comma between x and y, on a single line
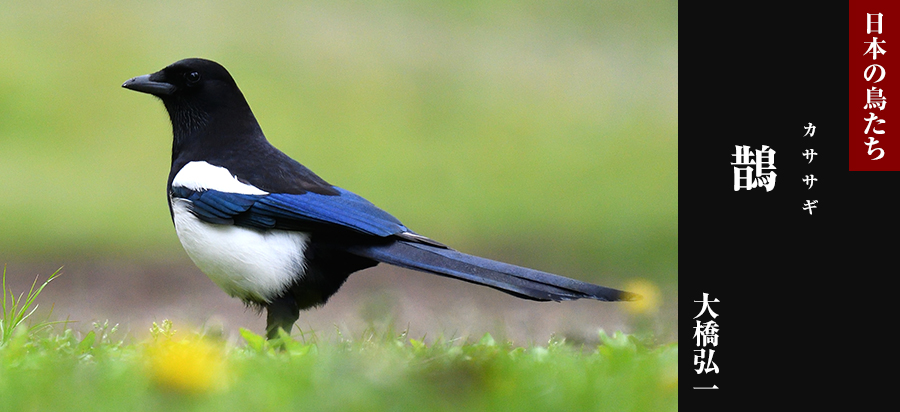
[(43, 369), (381, 371), (15, 310)]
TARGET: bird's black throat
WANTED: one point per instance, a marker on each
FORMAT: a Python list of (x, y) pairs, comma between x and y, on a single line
[(187, 120)]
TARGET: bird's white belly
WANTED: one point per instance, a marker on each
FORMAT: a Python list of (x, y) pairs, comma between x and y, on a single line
[(246, 263)]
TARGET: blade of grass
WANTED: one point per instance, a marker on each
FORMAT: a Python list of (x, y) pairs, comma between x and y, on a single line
[(14, 310)]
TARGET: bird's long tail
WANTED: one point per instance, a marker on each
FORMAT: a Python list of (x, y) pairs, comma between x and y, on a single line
[(515, 280)]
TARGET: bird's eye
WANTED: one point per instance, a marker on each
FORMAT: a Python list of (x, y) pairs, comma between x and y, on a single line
[(192, 77)]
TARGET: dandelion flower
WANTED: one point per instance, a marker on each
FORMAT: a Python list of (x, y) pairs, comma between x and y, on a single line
[(189, 366)]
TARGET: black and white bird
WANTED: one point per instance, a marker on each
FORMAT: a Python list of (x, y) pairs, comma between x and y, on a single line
[(271, 232)]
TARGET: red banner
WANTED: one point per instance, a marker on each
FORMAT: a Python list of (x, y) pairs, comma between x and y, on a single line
[(874, 70)]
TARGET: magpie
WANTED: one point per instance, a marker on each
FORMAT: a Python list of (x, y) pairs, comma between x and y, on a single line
[(269, 231)]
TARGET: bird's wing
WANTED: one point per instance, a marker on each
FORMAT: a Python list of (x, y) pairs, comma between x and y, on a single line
[(291, 211), (346, 210)]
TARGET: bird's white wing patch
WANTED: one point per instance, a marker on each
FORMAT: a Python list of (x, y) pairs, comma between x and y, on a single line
[(201, 175)]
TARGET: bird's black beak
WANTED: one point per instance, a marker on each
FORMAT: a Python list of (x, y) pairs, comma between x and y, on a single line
[(145, 85)]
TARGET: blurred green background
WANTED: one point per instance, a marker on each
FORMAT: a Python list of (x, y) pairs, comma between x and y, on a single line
[(542, 132)]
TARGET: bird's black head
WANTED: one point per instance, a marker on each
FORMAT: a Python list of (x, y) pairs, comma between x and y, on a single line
[(187, 79), (196, 91)]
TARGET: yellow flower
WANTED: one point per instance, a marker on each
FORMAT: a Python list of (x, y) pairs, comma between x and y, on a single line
[(651, 297), (189, 366)]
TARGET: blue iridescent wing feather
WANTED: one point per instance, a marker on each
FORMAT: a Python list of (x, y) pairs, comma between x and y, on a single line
[(346, 210)]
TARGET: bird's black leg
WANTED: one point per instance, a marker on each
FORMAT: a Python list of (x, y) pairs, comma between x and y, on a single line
[(281, 313)]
